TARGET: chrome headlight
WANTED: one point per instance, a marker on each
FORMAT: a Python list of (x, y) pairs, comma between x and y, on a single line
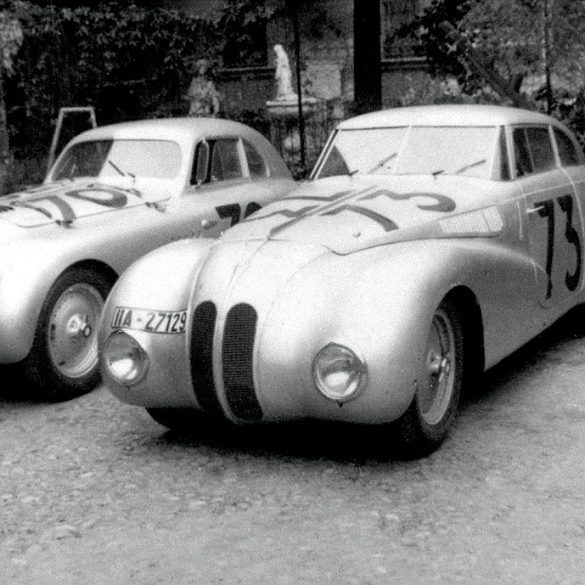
[(338, 372), (123, 359)]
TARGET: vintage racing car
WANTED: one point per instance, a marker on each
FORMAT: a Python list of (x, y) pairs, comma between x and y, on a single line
[(430, 243), (115, 193)]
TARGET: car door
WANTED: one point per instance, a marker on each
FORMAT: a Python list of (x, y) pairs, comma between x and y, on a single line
[(220, 192), (552, 216)]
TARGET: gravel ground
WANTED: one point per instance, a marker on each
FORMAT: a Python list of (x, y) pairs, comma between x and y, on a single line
[(94, 492)]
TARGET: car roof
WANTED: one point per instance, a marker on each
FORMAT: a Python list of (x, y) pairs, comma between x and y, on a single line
[(448, 115), (185, 131), (169, 128)]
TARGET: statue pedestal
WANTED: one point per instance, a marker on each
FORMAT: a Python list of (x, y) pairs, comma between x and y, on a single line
[(288, 108), (284, 126)]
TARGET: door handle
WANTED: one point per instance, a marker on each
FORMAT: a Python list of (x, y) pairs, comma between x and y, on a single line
[(533, 210), (208, 224)]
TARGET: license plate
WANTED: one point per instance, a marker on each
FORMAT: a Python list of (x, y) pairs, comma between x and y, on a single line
[(152, 321)]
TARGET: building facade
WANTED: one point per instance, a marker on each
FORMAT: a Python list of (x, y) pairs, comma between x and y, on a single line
[(326, 31)]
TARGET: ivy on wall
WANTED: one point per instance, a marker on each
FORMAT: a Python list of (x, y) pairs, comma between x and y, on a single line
[(126, 61)]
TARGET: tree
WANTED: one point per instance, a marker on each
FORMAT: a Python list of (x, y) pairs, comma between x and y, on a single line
[(512, 41), (10, 41)]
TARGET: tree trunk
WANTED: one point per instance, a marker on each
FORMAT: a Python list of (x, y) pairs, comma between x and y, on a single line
[(367, 56), (4, 142), (546, 52)]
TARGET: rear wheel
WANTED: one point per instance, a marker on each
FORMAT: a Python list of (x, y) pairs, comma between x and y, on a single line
[(432, 412), (63, 362)]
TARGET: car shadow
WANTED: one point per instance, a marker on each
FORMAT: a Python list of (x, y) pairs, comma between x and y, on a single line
[(14, 387), (360, 444), (531, 356)]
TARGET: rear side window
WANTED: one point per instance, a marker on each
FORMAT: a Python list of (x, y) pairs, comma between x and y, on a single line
[(216, 160), (256, 164), (533, 150), (567, 151), (522, 153), (543, 156), (225, 161), (503, 164)]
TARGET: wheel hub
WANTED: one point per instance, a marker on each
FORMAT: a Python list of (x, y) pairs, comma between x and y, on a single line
[(72, 340), (438, 364), (436, 384), (79, 326)]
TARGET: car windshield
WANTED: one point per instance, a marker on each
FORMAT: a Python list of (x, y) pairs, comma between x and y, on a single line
[(433, 150), (157, 159)]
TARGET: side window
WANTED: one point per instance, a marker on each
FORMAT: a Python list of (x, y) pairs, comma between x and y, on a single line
[(256, 164), (543, 157), (504, 165), (521, 153), (225, 161), (533, 150), (200, 168), (567, 151)]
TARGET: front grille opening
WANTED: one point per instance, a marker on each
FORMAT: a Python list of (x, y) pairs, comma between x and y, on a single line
[(237, 356), (204, 320)]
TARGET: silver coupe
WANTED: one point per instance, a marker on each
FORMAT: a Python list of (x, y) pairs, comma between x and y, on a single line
[(114, 194), (430, 243)]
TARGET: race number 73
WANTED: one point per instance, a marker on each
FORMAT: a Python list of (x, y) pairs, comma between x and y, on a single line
[(546, 209)]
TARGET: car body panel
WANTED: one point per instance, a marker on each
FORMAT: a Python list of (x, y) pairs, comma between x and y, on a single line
[(110, 222), (363, 260)]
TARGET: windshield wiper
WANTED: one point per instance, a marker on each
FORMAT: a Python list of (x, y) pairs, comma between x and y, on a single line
[(381, 163), (122, 172), (471, 165)]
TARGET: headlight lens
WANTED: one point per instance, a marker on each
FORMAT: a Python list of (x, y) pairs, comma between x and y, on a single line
[(338, 372), (123, 360)]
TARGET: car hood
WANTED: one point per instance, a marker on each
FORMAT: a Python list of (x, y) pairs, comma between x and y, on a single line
[(66, 201), (345, 214)]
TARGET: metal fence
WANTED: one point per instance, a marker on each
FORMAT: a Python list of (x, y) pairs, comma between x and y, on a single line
[(300, 152)]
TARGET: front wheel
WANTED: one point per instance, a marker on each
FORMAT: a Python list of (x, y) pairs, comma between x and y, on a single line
[(63, 361), (425, 424)]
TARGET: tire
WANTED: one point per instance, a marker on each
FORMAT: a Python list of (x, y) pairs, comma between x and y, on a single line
[(179, 419), (63, 361), (426, 423)]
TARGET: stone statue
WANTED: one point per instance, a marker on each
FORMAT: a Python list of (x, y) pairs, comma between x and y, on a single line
[(283, 76), (202, 95)]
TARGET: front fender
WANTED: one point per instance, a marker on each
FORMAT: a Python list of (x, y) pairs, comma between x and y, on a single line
[(380, 303), (159, 281), (28, 269)]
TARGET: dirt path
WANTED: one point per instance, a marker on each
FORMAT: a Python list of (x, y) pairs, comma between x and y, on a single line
[(94, 492)]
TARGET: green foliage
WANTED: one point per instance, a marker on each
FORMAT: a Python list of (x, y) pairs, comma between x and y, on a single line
[(10, 39), (437, 44), (518, 40), (243, 28), (126, 61)]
